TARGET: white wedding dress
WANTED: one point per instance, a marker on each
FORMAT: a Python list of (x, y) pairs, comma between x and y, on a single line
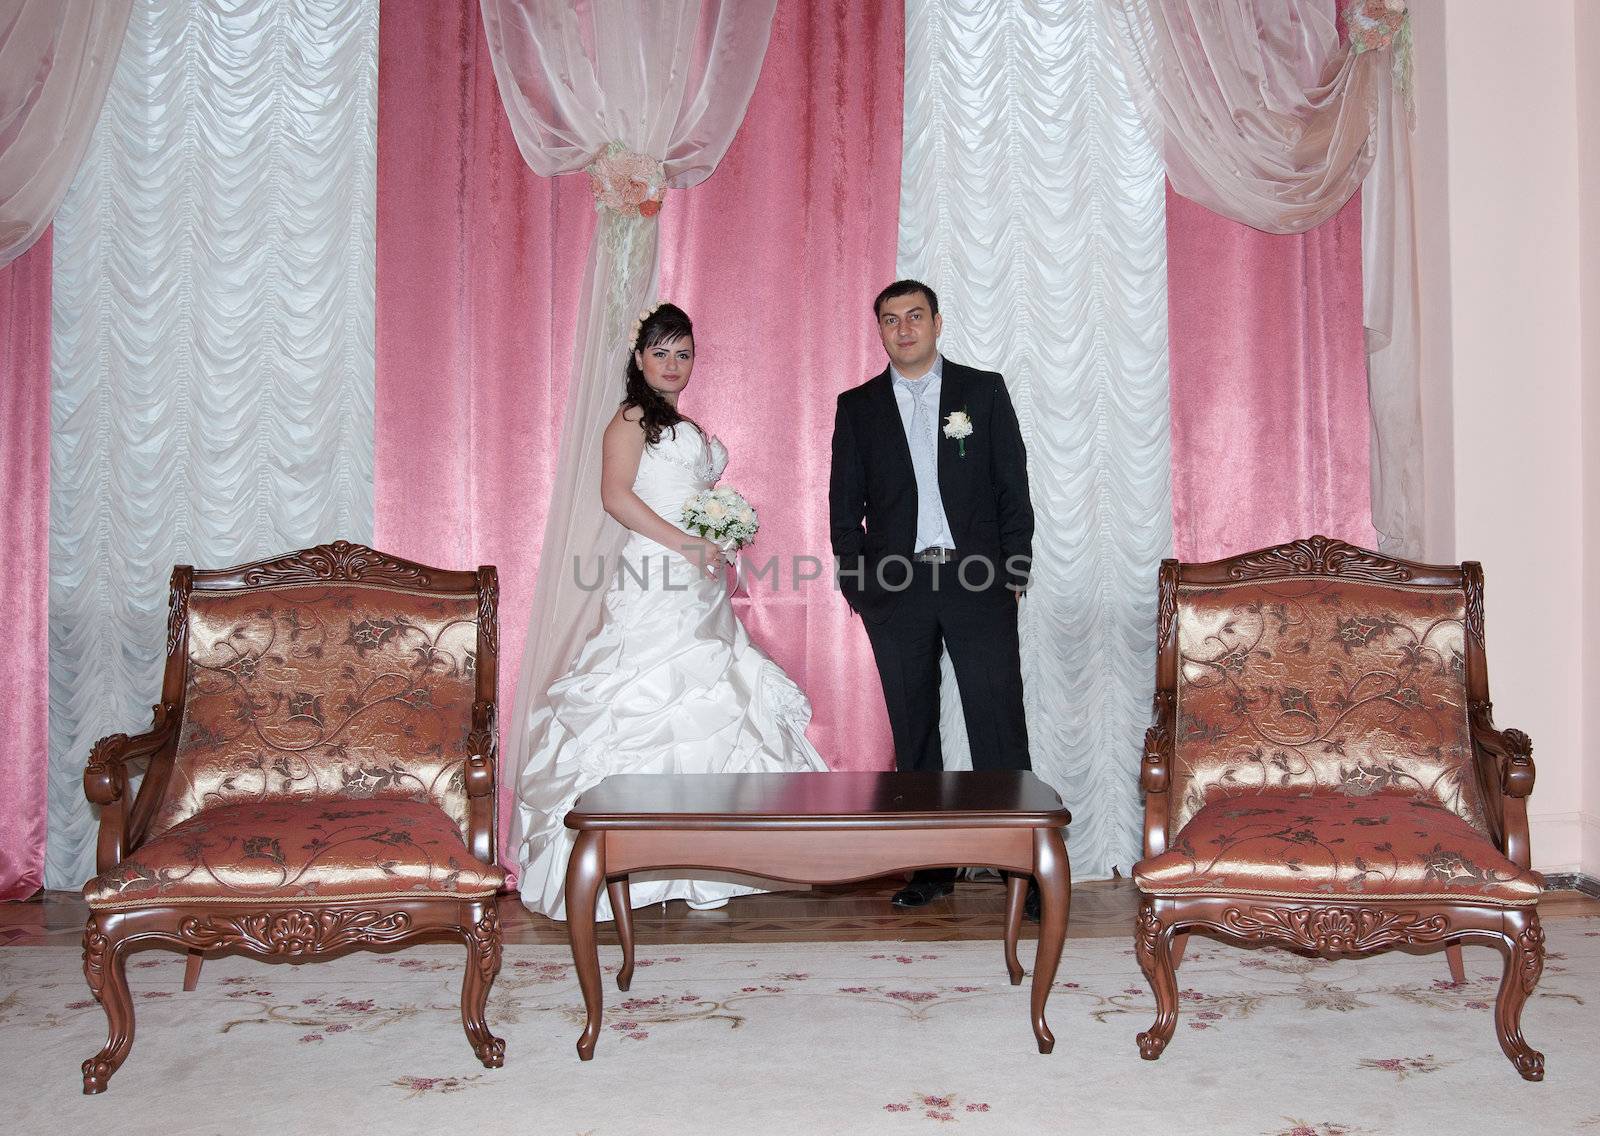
[(669, 683)]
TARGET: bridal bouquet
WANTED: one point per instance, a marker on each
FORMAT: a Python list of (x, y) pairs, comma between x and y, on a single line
[(721, 516)]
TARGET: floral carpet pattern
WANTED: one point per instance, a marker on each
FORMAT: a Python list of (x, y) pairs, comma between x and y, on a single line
[(813, 1038)]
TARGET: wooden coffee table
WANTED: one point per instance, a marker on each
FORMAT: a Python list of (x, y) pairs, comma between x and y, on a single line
[(817, 828)]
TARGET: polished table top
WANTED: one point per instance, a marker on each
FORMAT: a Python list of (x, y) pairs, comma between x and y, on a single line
[(998, 798)]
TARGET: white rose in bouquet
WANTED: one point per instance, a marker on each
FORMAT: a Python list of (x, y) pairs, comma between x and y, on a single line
[(723, 517)]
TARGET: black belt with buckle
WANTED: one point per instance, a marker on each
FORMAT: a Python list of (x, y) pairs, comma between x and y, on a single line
[(935, 555)]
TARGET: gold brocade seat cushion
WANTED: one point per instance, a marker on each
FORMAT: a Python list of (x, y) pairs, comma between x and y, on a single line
[(288, 851), (1298, 846)]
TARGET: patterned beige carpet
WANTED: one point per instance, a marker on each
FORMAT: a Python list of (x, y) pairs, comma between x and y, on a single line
[(836, 1038)]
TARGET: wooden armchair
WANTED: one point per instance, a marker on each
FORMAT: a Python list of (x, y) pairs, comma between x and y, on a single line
[(1324, 774), (321, 777)]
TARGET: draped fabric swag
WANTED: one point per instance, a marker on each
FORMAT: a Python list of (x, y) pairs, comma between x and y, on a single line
[(212, 342), (1032, 200), (56, 57)]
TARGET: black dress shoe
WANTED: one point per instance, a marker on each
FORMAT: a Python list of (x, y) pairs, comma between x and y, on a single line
[(922, 891)]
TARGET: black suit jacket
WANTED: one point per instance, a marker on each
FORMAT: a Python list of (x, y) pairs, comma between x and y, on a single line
[(872, 493)]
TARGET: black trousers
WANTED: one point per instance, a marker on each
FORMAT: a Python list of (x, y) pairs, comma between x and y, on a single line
[(979, 629)]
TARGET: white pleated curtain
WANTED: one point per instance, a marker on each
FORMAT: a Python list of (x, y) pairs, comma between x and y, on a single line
[(1032, 200), (212, 370), (664, 84), (56, 59), (1264, 115)]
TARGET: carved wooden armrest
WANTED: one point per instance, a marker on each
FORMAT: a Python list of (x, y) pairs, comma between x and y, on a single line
[(1158, 742), (1512, 755), (1512, 751), (481, 751), (481, 742), (105, 779), (1155, 770)]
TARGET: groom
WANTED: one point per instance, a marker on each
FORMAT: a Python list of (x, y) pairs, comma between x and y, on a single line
[(933, 534)]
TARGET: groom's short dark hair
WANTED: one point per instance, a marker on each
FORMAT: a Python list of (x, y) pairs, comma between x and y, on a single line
[(905, 288)]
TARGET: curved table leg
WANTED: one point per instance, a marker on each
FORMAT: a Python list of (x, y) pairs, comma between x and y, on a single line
[(586, 870), (1016, 892), (1051, 869), (622, 915)]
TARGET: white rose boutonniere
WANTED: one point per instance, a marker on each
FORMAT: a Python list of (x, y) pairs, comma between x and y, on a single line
[(958, 426)]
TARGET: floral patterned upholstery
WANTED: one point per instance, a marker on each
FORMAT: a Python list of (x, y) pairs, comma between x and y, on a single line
[(324, 690), (284, 851), (1325, 843), (1317, 683)]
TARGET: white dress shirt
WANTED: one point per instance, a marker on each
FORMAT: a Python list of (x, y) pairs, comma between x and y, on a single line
[(918, 400)]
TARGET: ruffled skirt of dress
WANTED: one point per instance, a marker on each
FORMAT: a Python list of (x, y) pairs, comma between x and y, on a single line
[(669, 683)]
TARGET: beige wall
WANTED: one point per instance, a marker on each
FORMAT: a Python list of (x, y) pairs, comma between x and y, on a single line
[(1511, 323), (1430, 156), (1587, 52)]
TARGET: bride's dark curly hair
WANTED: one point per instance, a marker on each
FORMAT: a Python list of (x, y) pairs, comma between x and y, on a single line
[(666, 324)]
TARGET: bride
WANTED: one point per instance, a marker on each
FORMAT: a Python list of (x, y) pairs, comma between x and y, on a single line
[(670, 682)]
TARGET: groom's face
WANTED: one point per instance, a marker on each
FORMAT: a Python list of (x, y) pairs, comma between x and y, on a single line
[(910, 333)]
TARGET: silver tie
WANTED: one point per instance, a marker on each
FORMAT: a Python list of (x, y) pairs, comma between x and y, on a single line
[(925, 463)]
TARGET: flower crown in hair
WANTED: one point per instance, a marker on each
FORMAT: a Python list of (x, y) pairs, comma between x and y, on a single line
[(638, 324)]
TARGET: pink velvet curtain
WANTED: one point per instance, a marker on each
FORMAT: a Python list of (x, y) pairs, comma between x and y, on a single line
[(479, 269), (1269, 383), (25, 583), (777, 258)]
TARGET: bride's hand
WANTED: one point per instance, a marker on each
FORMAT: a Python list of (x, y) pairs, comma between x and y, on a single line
[(705, 555)]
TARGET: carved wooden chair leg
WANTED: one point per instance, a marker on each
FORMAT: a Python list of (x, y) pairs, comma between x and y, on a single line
[(1524, 955), (1153, 948), (1458, 969), (191, 969), (483, 963), (1179, 942), (104, 962)]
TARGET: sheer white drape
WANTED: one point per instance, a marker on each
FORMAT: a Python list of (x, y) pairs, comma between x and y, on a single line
[(1262, 115), (212, 370), (1391, 314), (667, 81), (667, 78), (56, 58), (1032, 200)]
